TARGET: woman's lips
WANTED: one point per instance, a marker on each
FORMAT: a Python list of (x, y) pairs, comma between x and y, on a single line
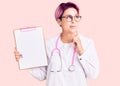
[(73, 27)]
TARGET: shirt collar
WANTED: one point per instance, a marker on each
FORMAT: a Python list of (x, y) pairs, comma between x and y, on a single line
[(61, 44)]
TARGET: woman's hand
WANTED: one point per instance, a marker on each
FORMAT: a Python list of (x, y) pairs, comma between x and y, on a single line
[(17, 55), (77, 42)]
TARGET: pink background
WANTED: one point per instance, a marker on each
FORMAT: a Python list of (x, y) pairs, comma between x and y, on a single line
[(100, 21)]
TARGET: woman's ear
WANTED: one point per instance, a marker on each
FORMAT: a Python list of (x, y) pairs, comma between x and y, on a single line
[(59, 22)]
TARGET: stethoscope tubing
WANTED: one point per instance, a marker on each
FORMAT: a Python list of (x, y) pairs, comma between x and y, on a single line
[(59, 52)]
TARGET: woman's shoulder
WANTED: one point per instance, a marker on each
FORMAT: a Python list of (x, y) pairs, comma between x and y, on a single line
[(84, 38), (50, 43), (51, 40)]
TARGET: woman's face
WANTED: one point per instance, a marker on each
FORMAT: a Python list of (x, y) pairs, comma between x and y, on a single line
[(69, 22)]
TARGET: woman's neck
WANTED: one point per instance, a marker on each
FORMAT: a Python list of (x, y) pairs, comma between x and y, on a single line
[(66, 38)]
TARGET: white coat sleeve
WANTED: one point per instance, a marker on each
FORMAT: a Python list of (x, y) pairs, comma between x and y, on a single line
[(89, 61), (39, 73)]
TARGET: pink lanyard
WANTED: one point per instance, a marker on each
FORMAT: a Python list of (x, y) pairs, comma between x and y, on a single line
[(57, 49)]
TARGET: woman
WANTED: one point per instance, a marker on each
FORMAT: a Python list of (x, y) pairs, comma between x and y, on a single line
[(72, 57)]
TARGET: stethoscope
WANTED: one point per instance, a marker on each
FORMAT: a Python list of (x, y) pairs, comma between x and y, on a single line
[(71, 68)]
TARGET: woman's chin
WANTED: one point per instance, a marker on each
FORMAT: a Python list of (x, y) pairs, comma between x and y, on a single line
[(74, 30)]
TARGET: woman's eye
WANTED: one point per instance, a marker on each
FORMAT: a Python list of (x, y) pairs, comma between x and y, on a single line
[(77, 16), (69, 17)]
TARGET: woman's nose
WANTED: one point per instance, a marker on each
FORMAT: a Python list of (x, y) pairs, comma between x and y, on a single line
[(73, 20)]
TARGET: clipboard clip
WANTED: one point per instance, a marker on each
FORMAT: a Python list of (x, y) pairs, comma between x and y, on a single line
[(26, 29)]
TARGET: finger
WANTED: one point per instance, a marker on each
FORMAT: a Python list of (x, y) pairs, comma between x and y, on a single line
[(17, 57), (74, 41), (75, 34), (16, 52)]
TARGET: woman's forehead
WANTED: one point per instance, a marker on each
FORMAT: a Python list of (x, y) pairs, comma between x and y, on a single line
[(70, 11)]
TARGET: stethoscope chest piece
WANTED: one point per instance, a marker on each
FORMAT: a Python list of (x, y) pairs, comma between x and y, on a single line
[(71, 68)]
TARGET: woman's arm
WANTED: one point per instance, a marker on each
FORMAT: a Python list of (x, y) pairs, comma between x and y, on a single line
[(39, 73), (89, 61)]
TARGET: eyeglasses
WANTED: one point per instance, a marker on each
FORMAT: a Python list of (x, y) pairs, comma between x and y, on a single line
[(69, 18)]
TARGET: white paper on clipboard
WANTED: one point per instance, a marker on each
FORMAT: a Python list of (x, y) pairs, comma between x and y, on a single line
[(30, 43)]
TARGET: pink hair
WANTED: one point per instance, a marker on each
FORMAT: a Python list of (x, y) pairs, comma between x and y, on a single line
[(62, 7)]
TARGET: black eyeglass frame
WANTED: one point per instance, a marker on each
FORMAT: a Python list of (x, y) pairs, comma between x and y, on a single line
[(71, 18)]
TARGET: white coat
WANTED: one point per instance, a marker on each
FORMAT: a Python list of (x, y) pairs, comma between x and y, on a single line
[(88, 67)]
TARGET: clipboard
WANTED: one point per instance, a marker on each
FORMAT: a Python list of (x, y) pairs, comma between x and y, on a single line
[(30, 43)]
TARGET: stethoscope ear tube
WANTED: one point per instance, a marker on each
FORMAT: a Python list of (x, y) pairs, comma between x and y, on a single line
[(58, 51)]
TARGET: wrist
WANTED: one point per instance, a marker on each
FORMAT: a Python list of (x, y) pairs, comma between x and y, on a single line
[(81, 51)]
